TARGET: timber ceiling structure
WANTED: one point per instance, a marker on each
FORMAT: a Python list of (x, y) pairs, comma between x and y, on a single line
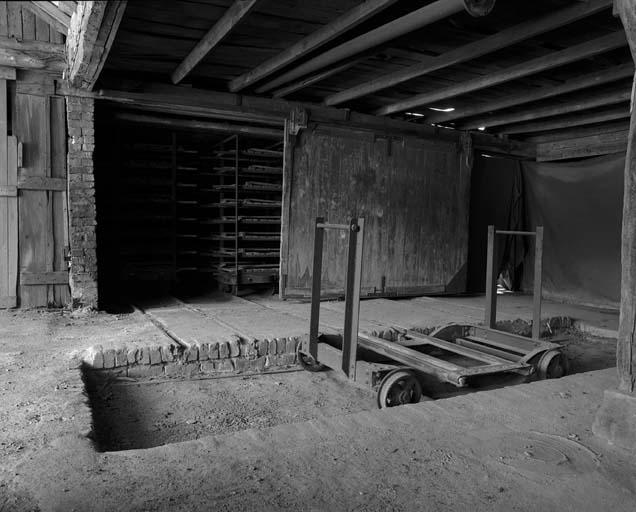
[(527, 69)]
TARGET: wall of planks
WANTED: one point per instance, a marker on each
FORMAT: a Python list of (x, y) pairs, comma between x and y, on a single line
[(40, 126), (23, 24), (413, 194)]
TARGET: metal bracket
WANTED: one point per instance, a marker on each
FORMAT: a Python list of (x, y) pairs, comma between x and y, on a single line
[(298, 119)]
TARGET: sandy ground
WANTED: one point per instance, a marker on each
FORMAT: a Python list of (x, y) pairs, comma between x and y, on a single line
[(292, 441)]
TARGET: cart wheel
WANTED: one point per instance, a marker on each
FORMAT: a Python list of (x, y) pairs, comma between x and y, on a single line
[(552, 365), (308, 362), (399, 387)]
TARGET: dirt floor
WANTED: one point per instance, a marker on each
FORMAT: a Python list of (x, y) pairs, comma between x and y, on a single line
[(47, 463)]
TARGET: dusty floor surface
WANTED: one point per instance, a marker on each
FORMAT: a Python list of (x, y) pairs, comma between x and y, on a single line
[(498, 450), (141, 415)]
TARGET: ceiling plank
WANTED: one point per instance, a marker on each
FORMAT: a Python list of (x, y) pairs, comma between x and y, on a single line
[(50, 13), (31, 55), (578, 52), (90, 38), (398, 27), (590, 101), (228, 22), (592, 145), (502, 39), (337, 27), (568, 122), (574, 84)]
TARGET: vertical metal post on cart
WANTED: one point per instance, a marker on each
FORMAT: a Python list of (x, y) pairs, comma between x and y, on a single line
[(352, 291), (491, 277)]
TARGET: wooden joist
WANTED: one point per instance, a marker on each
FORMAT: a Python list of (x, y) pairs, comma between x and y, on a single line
[(214, 104), (592, 145), (228, 22), (578, 52), (568, 121), (189, 124), (575, 84), (31, 55), (502, 39), (52, 14), (414, 20), (90, 37), (310, 80), (586, 103), (336, 28), (579, 132)]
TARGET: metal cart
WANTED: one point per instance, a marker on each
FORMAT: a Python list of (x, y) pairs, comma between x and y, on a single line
[(456, 354)]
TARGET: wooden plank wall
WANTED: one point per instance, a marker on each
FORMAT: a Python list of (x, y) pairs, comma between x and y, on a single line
[(413, 194), (40, 125), (8, 208), (23, 24)]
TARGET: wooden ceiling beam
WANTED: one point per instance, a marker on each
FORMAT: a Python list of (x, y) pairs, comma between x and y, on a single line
[(320, 37), (591, 145), (502, 39), (574, 133), (312, 79), (53, 15), (175, 99), (90, 37), (66, 7), (590, 101), (228, 22), (573, 84), (191, 124), (32, 55), (568, 122), (578, 52), (396, 28)]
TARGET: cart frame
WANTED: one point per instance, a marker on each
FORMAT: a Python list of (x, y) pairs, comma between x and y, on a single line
[(489, 350)]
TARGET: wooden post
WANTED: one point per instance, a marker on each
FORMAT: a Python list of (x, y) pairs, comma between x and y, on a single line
[(315, 289), (626, 347), (538, 278), (491, 280), (352, 298), (615, 418)]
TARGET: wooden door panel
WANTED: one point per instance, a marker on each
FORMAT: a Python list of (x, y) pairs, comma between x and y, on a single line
[(413, 194)]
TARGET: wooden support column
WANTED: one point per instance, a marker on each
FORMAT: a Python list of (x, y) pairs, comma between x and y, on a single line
[(615, 419)]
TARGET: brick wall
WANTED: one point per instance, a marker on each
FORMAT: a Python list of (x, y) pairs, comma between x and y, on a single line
[(82, 211)]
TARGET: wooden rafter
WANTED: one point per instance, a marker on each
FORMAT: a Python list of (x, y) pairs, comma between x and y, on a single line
[(464, 53), (312, 79), (52, 14), (590, 145), (589, 102), (574, 84), (417, 19), (31, 55), (570, 121), (337, 27), (550, 61), (215, 104), (91, 35), (228, 22), (578, 132)]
